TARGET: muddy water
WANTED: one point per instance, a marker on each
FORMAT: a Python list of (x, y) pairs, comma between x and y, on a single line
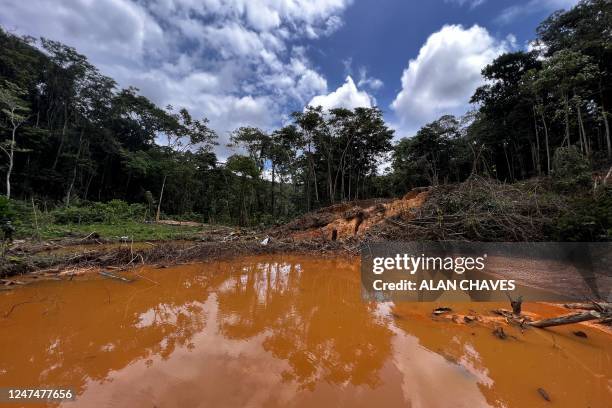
[(281, 331)]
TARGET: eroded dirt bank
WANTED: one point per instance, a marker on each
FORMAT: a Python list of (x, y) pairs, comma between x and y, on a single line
[(285, 330)]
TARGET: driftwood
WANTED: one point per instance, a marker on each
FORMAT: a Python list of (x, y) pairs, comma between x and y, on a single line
[(599, 306), (113, 276), (567, 319)]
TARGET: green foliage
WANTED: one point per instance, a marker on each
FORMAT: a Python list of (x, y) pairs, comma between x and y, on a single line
[(137, 231), (571, 170), (113, 212), (89, 140), (6, 210), (588, 219)]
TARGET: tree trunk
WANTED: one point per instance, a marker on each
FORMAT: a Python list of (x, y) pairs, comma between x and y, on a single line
[(537, 135), (161, 195), (272, 189), (604, 115), (583, 136), (508, 163), (546, 140), (9, 171), (567, 126), (314, 178), (568, 319), (61, 145), (74, 170), (91, 176)]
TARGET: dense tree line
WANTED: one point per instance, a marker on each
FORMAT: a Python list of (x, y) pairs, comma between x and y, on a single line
[(72, 136), (533, 102)]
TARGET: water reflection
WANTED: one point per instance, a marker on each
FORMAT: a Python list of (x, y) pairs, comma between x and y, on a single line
[(264, 331), (315, 321)]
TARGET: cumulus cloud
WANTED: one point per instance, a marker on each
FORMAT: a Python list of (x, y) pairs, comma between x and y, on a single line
[(346, 96), (233, 61), (447, 70), (511, 13)]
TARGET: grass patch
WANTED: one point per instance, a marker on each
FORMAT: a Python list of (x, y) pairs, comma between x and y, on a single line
[(113, 232)]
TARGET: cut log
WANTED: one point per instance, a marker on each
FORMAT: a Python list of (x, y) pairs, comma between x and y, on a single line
[(567, 319), (589, 306)]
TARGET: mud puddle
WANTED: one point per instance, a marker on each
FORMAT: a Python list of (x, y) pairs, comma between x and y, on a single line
[(282, 331)]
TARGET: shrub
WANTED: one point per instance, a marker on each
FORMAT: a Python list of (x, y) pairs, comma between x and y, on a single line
[(6, 210), (587, 219), (91, 213), (571, 170)]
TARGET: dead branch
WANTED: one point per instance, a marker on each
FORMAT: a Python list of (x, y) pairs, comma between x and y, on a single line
[(567, 319), (113, 276), (598, 306)]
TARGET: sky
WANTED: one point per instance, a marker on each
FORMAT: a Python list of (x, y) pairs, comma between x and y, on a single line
[(253, 62)]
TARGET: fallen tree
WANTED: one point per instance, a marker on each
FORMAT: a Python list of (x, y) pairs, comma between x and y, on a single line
[(567, 319)]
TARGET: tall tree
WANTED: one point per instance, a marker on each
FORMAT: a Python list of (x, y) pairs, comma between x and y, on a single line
[(15, 110)]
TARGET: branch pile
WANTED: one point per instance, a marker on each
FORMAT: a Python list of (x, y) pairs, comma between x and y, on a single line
[(478, 209)]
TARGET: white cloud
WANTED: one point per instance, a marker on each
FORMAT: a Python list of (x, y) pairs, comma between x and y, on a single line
[(444, 75), (470, 3), (346, 96), (511, 13), (233, 61), (370, 82)]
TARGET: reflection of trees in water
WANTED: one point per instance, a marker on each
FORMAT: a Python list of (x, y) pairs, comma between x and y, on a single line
[(310, 314), (99, 327), (315, 318)]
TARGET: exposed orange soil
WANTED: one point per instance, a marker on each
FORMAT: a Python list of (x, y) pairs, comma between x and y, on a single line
[(352, 219)]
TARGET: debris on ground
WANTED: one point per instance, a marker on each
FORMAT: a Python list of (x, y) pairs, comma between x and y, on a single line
[(441, 310), (499, 333), (544, 394), (113, 276), (479, 209), (181, 223), (469, 318)]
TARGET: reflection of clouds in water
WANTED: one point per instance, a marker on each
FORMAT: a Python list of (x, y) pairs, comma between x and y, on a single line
[(425, 372), (167, 314), (255, 332), (472, 362), (313, 319)]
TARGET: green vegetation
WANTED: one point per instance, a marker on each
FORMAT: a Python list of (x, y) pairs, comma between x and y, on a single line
[(588, 219), (92, 156), (114, 232), (112, 221)]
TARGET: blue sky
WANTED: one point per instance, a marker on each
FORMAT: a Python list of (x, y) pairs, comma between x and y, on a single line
[(252, 62)]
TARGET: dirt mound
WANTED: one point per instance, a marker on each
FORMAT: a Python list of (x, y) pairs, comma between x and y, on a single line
[(351, 219)]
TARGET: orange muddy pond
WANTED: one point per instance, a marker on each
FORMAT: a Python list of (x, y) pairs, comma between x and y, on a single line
[(286, 331)]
